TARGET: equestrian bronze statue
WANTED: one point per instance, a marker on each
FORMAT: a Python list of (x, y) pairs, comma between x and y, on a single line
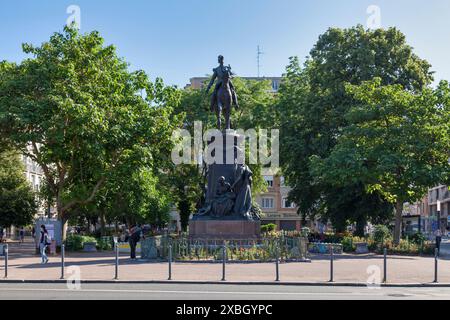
[(224, 96)]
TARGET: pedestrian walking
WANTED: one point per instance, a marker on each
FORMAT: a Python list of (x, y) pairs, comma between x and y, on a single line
[(21, 235), (43, 244), (438, 235), (33, 234)]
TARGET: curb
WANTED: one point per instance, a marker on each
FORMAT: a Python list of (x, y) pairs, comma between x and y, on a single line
[(253, 283)]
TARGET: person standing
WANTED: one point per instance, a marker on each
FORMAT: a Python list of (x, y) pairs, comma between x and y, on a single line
[(21, 235), (438, 234), (43, 244), (134, 238)]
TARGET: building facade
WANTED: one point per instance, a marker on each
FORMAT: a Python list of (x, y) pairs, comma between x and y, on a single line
[(35, 176), (200, 82), (276, 207), (439, 219), (424, 216)]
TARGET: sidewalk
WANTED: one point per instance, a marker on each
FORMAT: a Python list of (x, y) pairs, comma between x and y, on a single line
[(347, 269)]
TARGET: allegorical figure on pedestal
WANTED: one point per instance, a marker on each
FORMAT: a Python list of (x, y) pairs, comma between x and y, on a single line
[(223, 202), (243, 190)]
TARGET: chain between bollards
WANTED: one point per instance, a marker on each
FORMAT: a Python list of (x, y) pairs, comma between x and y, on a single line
[(170, 262), (6, 260), (224, 261), (277, 264), (63, 253), (385, 265), (436, 259), (116, 247), (331, 263)]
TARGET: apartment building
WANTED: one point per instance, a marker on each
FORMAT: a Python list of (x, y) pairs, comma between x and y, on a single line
[(276, 207), (35, 176), (423, 215), (199, 82), (439, 196)]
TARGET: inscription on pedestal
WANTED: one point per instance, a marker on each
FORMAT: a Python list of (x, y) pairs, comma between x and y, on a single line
[(215, 229)]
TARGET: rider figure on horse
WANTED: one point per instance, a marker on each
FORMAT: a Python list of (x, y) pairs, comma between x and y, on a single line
[(219, 73)]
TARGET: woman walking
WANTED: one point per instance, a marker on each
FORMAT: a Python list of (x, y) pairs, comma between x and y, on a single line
[(43, 243)]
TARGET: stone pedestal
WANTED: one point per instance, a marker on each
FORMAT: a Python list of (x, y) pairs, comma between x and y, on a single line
[(224, 229)]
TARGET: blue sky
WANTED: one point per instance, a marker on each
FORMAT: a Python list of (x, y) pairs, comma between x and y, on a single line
[(179, 39)]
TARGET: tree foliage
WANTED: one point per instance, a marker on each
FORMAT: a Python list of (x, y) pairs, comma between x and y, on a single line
[(397, 142), (314, 105), (84, 115), (18, 203)]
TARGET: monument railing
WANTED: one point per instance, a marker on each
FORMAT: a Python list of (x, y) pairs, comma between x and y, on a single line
[(210, 250)]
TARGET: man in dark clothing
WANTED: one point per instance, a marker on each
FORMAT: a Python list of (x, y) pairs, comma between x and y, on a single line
[(135, 237)]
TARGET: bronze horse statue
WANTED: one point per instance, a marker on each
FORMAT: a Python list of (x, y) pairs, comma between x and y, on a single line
[(223, 102), (224, 94)]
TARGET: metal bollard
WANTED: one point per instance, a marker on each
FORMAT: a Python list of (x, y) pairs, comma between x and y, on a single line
[(170, 262), (436, 259), (331, 263), (277, 264), (6, 260), (224, 261), (116, 277), (63, 253), (385, 265)]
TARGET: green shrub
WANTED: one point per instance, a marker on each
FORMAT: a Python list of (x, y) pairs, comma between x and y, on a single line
[(348, 244), (105, 244), (76, 242), (417, 238), (381, 234), (268, 228)]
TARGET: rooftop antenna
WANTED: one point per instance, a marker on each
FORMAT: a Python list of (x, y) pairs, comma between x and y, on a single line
[(259, 54)]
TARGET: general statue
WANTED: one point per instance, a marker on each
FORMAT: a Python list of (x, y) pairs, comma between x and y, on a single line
[(224, 95), (228, 193)]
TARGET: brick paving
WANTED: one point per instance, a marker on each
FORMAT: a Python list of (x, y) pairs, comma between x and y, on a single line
[(25, 265)]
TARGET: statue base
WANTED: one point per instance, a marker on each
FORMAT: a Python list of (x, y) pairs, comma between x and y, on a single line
[(224, 229)]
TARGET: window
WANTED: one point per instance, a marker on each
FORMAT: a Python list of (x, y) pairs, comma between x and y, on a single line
[(287, 203), (288, 225), (38, 184), (275, 85), (282, 183), (267, 203), (269, 180)]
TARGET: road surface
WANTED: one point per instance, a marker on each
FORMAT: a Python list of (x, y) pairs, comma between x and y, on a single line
[(14, 291)]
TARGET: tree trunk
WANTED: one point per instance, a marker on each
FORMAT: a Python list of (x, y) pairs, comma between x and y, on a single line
[(185, 213), (62, 218), (64, 224), (360, 225), (398, 221), (102, 224)]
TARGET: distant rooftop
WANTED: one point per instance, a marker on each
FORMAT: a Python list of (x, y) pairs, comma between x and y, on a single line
[(199, 82)]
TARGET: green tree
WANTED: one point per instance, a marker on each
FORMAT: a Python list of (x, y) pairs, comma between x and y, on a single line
[(187, 183), (397, 142), (138, 197), (83, 114), (314, 104), (18, 203)]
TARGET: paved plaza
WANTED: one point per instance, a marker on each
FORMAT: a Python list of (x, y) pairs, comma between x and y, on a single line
[(100, 266)]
